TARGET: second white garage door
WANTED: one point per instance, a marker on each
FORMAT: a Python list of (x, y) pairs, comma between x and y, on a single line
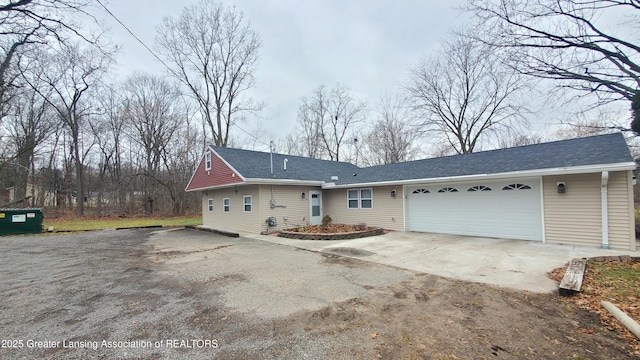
[(508, 209)]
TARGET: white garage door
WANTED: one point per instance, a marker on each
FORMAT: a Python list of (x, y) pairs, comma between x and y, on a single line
[(508, 209)]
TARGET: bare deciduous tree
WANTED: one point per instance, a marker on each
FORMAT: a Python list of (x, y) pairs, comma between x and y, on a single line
[(325, 119), (520, 139), (213, 52), (180, 157), (586, 45), (464, 94), (311, 113), (69, 75), (43, 23), (110, 133), (28, 125), (392, 137), (153, 119), (589, 124)]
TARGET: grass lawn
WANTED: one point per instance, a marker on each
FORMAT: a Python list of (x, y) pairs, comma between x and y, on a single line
[(97, 224)]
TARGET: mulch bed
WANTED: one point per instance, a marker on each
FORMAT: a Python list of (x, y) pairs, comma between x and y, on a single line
[(330, 232)]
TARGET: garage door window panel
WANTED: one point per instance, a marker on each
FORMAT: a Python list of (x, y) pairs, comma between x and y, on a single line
[(517, 187), (448, 190), (421, 191), (479, 188)]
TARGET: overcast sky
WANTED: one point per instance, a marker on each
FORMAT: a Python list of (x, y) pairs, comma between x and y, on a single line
[(367, 45)]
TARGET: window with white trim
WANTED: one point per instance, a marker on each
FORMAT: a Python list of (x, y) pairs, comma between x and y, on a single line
[(247, 203), (210, 204), (226, 205), (207, 161), (360, 198)]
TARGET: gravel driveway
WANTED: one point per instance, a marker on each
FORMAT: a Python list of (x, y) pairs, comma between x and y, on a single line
[(188, 294)]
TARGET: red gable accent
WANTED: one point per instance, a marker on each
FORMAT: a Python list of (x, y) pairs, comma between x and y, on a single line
[(220, 174)]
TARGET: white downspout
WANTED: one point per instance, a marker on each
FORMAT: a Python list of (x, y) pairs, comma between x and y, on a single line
[(605, 209)]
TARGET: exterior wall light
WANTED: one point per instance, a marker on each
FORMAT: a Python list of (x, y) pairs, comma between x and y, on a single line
[(303, 195), (562, 187), (393, 193)]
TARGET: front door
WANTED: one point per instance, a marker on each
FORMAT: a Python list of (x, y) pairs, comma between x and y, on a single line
[(315, 207)]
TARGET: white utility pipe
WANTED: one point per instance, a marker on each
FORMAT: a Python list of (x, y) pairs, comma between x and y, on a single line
[(628, 322), (604, 202)]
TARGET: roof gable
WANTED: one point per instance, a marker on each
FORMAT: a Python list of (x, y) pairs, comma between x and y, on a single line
[(219, 174)]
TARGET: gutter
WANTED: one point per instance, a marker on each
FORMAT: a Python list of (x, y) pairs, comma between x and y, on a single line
[(526, 173), (263, 182)]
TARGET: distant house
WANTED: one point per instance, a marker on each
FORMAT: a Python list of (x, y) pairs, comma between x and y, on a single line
[(36, 194), (576, 191)]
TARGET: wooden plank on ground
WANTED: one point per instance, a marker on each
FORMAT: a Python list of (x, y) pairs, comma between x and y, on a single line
[(572, 280)]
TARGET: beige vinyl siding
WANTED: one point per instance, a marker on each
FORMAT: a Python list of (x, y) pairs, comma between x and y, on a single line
[(575, 216), (289, 203), (633, 246), (387, 212), (236, 219), (620, 210)]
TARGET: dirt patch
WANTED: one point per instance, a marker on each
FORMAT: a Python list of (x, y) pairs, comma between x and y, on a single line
[(432, 318), (349, 251)]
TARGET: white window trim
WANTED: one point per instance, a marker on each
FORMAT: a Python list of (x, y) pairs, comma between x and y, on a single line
[(210, 205), (357, 199), (360, 199), (244, 203), (207, 161), (226, 205)]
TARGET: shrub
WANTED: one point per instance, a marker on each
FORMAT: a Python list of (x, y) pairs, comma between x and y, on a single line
[(326, 220)]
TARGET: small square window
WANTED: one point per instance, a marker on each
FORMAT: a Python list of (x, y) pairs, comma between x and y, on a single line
[(226, 205), (247, 203), (210, 205)]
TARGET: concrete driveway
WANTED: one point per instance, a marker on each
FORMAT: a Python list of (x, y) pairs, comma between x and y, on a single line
[(516, 264)]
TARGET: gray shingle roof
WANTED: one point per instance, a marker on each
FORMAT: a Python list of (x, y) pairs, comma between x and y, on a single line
[(595, 150), (257, 165)]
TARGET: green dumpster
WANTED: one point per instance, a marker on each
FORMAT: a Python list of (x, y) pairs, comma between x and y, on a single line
[(20, 221)]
